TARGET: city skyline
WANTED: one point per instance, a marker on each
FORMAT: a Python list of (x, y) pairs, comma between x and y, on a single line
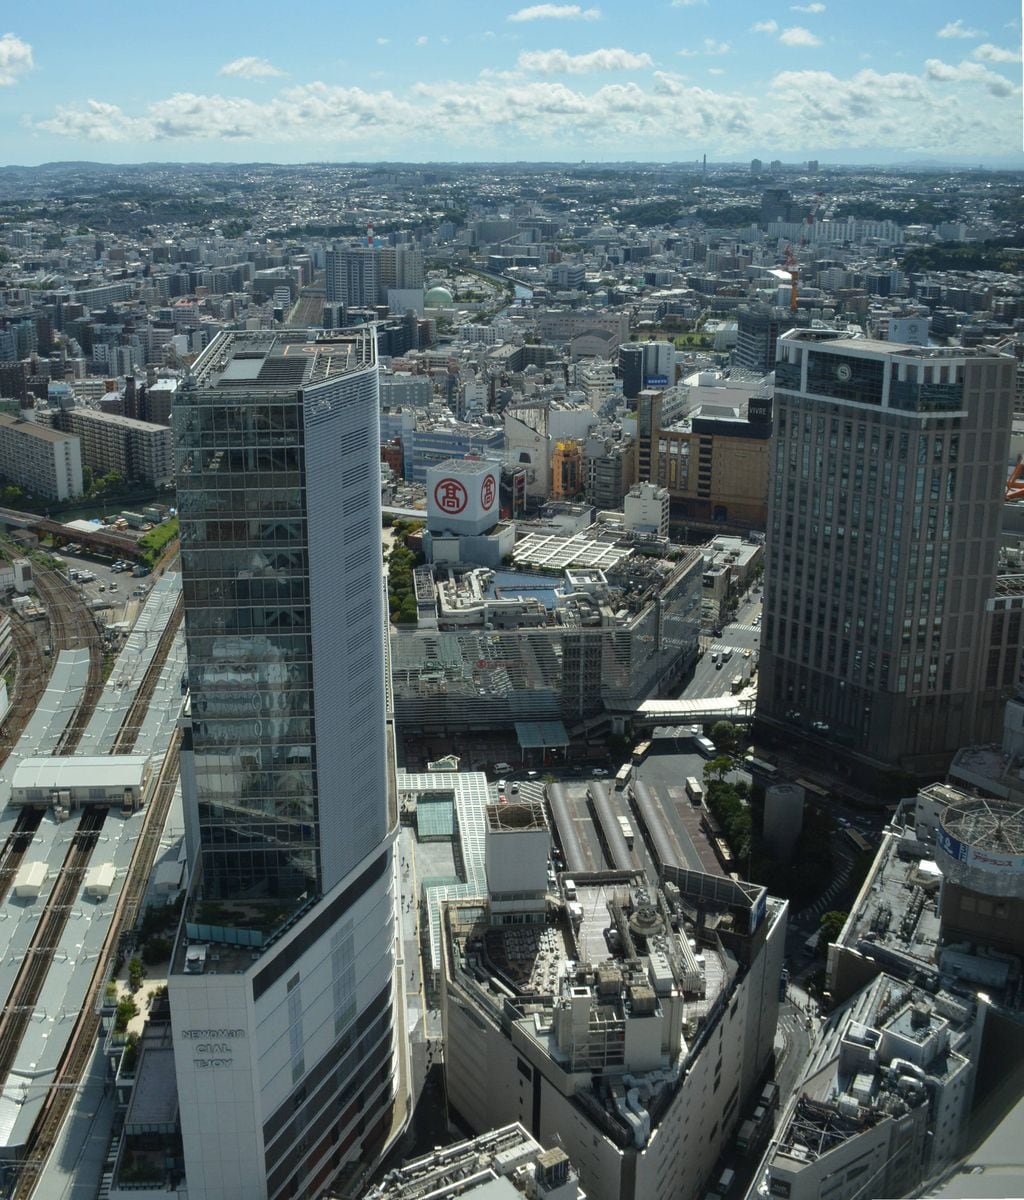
[(549, 81)]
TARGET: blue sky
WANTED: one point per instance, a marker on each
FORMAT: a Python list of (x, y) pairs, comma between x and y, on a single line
[(667, 80)]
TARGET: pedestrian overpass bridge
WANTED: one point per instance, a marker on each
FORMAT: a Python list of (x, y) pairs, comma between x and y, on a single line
[(738, 709)]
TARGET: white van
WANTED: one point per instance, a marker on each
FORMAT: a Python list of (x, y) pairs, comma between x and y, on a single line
[(706, 747)]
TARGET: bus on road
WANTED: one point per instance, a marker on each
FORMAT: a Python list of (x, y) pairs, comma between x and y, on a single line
[(640, 752), (757, 766), (694, 790), (815, 789), (859, 842)]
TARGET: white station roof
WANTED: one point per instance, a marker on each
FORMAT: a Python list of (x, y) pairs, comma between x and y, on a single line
[(106, 771)]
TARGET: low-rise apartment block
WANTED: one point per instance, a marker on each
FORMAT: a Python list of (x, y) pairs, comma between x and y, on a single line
[(135, 449), (45, 462)]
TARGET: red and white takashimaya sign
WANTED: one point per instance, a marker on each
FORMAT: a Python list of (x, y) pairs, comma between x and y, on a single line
[(487, 492), (450, 495)]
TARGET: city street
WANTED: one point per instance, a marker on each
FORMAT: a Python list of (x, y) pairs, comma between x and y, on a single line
[(714, 678)]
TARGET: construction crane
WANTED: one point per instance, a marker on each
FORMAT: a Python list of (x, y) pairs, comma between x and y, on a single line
[(1015, 488)]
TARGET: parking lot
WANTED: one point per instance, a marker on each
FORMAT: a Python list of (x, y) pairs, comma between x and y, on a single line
[(115, 592)]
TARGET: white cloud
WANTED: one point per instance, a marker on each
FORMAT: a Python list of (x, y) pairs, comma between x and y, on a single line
[(968, 72), (383, 41), (957, 29), (560, 62), (15, 59), (807, 8), (422, 40), (687, 3), (796, 35), (250, 68), (713, 47), (986, 52), (765, 27), (716, 70), (687, 53), (555, 12), (897, 113)]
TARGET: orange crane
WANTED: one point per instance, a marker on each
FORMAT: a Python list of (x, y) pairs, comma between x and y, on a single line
[(1015, 489)]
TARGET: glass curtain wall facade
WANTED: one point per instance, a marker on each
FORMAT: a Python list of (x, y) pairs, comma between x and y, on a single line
[(280, 519), (283, 991)]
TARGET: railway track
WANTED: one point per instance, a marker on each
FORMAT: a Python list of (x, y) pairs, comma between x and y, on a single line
[(29, 683), (27, 988), (72, 627), (16, 846), (82, 1043), (128, 734)]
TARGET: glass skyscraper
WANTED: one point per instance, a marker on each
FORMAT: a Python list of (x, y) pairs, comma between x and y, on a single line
[(287, 942)]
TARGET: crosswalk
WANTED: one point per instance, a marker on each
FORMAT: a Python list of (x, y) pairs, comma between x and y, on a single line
[(724, 648), (746, 628), (824, 902)]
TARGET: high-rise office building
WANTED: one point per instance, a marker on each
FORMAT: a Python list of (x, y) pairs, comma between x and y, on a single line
[(353, 276), (884, 514), (631, 364), (758, 328), (282, 988), (399, 267)]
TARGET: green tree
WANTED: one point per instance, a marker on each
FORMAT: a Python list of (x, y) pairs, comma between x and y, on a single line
[(126, 1009), (130, 1055), (724, 734), (831, 926), (113, 481), (717, 769), (156, 950), (407, 613), (87, 479), (136, 971)]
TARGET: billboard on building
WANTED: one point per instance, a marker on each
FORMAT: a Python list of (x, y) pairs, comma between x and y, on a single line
[(462, 496)]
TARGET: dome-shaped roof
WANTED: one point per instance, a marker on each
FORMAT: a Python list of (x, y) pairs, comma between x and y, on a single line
[(438, 297)]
